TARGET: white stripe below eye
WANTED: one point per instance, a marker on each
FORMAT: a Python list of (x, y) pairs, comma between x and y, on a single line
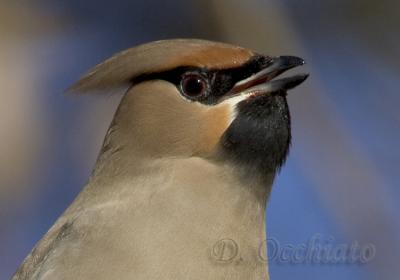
[(232, 102)]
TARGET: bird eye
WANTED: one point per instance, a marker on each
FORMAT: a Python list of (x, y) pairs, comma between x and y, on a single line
[(193, 85)]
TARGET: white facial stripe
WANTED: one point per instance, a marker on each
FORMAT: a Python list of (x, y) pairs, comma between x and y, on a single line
[(232, 102)]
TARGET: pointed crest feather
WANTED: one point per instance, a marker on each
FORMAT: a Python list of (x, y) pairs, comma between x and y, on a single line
[(158, 56)]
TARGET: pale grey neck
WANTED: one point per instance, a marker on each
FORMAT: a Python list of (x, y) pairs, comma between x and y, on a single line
[(210, 221)]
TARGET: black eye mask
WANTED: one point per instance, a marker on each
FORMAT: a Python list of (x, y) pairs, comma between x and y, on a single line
[(219, 81)]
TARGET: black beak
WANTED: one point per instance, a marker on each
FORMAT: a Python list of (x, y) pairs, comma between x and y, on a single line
[(262, 82)]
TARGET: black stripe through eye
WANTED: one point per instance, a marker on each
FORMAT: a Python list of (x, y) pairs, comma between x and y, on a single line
[(217, 82)]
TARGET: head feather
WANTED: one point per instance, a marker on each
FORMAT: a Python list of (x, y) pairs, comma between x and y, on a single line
[(159, 56)]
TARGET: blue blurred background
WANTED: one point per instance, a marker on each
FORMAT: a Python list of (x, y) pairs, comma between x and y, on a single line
[(341, 180)]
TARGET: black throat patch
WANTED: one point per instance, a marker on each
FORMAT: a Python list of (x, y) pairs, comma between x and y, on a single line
[(259, 137)]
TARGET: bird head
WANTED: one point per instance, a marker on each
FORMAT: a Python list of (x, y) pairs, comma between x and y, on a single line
[(189, 97)]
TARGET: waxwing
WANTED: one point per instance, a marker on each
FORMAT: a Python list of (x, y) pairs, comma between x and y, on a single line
[(180, 187)]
